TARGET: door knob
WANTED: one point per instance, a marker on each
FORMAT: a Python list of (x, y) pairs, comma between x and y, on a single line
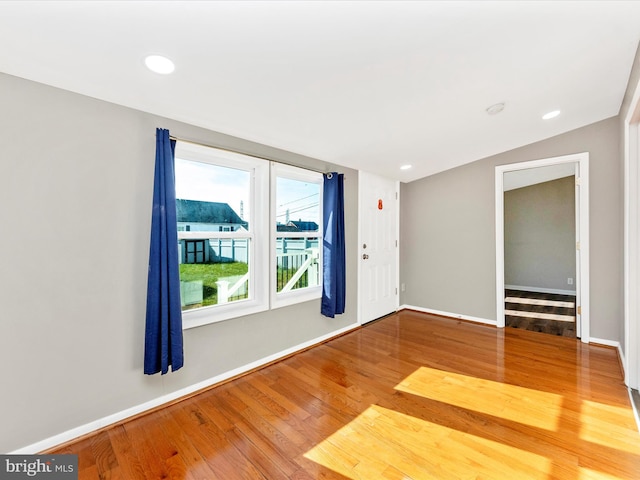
[(365, 256)]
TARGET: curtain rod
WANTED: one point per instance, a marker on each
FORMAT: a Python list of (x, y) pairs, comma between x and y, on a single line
[(178, 139)]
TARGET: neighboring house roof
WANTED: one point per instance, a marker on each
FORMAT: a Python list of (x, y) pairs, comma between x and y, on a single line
[(194, 211), (303, 226), (286, 228)]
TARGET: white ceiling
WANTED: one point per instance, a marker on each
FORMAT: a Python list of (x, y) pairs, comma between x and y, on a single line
[(369, 85), (533, 176)]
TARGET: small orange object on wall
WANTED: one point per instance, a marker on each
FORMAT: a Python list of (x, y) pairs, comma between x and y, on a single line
[(380, 204)]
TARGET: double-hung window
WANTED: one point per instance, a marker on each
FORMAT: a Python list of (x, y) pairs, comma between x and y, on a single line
[(249, 234), (296, 200), (223, 235)]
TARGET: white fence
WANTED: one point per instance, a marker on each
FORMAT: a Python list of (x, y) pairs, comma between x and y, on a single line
[(306, 274), (297, 261), (226, 250)]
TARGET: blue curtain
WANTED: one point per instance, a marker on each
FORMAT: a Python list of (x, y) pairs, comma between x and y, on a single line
[(333, 260), (163, 339)]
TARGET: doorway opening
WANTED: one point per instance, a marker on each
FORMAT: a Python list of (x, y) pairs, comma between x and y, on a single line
[(542, 248)]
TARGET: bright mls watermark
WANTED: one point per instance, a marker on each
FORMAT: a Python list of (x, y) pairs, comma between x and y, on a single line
[(50, 467)]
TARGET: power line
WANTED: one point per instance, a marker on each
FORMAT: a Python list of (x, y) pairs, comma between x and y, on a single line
[(298, 199), (300, 209)]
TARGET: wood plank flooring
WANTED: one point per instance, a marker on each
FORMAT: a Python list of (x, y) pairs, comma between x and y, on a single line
[(411, 396)]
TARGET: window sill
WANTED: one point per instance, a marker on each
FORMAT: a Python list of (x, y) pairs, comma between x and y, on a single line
[(220, 313), (296, 296)]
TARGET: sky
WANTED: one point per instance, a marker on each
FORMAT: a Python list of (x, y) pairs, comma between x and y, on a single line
[(212, 183)]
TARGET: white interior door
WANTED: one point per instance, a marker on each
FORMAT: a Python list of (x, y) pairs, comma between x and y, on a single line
[(378, 248)]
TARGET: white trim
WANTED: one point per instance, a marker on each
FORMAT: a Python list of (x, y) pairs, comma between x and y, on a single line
[(358, 250), (283, 299), (622, 358), (632, 242), (397, 232), (557, 291), (499, 222), (170, 397), (458, 316), (607, 343), (583, 224), (636, 414), (259, 234), (611, 343)]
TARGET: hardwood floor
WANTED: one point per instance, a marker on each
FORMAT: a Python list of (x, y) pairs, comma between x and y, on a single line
[(411, 396)]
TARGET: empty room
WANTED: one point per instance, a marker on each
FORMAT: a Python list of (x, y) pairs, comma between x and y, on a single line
[(320, 240)]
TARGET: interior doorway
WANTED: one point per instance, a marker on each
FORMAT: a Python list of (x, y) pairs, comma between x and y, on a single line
[(540, 249), (546, 268)]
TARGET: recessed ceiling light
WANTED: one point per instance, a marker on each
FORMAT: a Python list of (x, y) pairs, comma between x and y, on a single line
[(494, 109), (405, 167), (159, 64), (550, 115)]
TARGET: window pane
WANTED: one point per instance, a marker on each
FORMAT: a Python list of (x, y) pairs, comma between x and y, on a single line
[(213, 271), (297, 218), (297, 205), (212, 198), (297, 263)]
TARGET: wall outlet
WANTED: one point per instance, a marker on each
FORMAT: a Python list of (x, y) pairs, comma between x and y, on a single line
[(569, 281), (402, 287)]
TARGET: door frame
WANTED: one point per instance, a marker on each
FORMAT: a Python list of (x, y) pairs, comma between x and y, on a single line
[(631, 360), (582, 233), (361, 296)]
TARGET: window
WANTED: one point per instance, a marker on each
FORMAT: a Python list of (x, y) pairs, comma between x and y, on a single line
[(193, 251), (296, 198), (230, 259), (223, 239)]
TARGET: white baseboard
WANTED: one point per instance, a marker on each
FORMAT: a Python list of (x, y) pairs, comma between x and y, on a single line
[(611, 343), (608, 343), (87, 428), (540, 290), (449, 314), (623, 361), (636, 414), (597, 341)]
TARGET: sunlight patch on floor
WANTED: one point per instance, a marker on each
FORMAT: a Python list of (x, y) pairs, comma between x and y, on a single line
[(384, 443), (518, 404), (609, 426), (589, 474)]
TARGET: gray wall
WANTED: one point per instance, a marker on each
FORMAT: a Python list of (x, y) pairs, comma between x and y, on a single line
[(76, 175), (539, 235), (447, 234)]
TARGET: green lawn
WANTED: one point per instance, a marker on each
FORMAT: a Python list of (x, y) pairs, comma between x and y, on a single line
[(283, 276), (209, 273)]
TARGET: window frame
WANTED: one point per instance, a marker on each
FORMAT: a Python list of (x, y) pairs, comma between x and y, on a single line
[(257, 234), (282, 299)]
